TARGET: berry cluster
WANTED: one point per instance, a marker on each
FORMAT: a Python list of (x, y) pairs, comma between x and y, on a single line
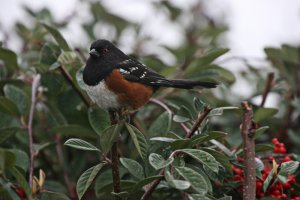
[(279, 146), (278, 190)]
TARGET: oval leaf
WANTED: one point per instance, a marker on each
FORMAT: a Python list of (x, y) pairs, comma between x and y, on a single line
[(86, 179), (198, 182), (178, 184), (108, 137), (139, 141), (9, 107), (99, 119), (203, 157), (133, 167), (158, 162), (58, 37), (80, 144), (17, 96)]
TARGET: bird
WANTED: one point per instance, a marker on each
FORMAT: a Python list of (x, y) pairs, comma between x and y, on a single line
[(114, 80)]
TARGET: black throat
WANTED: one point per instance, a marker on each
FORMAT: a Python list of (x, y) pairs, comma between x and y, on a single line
[(95, 71)]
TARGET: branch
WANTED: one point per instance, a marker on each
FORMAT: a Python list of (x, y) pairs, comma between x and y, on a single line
[(69, 78), (152, 187), (268, 88), (35, 83), (247, 132), (197, 124), (115, 160)]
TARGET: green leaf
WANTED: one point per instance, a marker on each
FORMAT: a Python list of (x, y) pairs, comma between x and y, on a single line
[(219, 111), (7, 160), (53, 196), (263, 147), (9, 58), (54, 83), (161, 126), (17, 96), (182, 115), (203, 157), (6, 133), (22, 159), (86, 179), (158, 162), (210, 56), (9, 107), (21, 180), (79, 79), (286, 169), (81, 144), (260, 131), (268, 180), (69, 58), (178, 184), (199, 197), (201, 138), (133, 167), (49, 54), (212, 72), (108, 137), (139, 141), (262, 114), (99, 119), (74, 130), (197, 181), (222, 159), (163, 139), (58, 37)]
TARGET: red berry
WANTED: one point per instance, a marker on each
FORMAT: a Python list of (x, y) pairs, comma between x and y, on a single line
[(286, 159), (275, 141), (282, 150)]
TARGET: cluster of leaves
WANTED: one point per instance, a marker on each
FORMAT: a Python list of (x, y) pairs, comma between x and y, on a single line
[(153, 146)]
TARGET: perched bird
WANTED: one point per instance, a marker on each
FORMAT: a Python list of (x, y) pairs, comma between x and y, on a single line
[(116, 81)]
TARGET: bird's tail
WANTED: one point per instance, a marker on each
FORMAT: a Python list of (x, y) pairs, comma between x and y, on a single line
[(190, 84)]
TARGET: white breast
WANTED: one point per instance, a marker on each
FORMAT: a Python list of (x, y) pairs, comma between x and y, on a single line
[(102, 96)]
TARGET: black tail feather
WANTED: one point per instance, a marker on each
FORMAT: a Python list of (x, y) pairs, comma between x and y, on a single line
[(190, 84)]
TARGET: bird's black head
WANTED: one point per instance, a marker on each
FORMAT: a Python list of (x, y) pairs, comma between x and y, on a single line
[(103, 58)]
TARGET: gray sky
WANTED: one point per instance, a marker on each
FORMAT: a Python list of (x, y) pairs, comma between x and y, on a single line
[(253, 23)]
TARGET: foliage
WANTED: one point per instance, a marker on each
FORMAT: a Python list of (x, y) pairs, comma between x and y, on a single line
[(153, 142)]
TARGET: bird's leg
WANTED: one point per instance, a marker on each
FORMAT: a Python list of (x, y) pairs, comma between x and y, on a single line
[(124, 114)]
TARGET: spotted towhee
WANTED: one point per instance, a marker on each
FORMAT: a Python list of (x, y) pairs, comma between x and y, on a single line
[(116, 81)]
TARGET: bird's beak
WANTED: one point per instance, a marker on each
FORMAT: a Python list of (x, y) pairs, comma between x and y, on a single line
[(94, 53)]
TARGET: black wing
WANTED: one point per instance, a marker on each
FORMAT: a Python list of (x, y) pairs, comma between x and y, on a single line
[(134, 71)]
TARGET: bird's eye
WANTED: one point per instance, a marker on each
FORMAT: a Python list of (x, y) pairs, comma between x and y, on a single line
[(104, 50)]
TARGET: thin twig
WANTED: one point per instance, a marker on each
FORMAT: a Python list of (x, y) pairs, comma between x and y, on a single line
[(115, 160), (60, 156), (164, 106), (247, 132), (152, 187), (268, 88), (35, 83), (69, 78), (198, 122)]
